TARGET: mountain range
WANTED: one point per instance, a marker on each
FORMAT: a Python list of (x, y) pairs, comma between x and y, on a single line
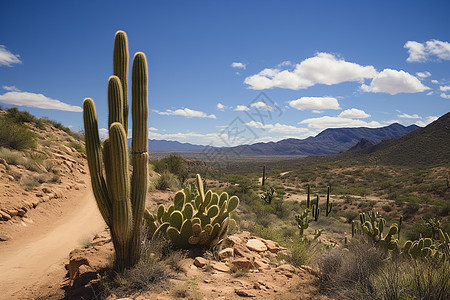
[(328, 142)]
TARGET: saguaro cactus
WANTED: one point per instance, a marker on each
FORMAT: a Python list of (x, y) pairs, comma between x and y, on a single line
[(121, 199), (329, 205)]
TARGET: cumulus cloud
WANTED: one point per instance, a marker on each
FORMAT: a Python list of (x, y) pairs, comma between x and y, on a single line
[(241, 108), (429, 93), (354, 113), (185, 112), (7, 58), (426, 121), (315, 103), (277, 128), (406, 116), (432, 49), (36, 100), (10, 88), (239, 65), (423, 74), (337, 122), (394, 82), (434, 81), (261, 105), (220, 106), (152, 129), (444, 88), (103, 133), (445, 96), (324, 68)]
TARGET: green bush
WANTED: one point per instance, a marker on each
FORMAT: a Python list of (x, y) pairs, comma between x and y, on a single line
[(17, 136), (167, 181)]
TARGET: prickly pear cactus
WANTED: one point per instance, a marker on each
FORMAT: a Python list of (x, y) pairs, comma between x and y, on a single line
[(195, 219), (373, 225)]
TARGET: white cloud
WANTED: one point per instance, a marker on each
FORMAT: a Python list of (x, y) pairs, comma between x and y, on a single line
[(7, 58), (239, 65), (285, 63), (220, 106), (444, 88), (423, 74), (241, 108), (429, 93), (324, 68), (315, 111), (152, 129), (434, 81), (10, 88), (185, 112), (37, 100), (445, 96), (354, 113), (394, 82), (261, 105), (427, 121), (337, 122), (277, 128), (406, 116), (316, 103), (432, 49), (103, 133)]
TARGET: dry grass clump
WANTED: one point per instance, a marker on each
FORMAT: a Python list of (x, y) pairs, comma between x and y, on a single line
[(366, 272), (158, 263)]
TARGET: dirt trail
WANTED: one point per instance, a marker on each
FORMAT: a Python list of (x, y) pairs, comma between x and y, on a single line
[(29, 263)]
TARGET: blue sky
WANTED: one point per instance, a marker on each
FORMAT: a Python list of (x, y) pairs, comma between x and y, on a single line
[(232, 72)]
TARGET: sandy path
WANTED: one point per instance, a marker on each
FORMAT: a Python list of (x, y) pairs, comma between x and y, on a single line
[(26, 264)]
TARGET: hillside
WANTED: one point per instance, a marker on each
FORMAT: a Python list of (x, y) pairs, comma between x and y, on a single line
[(426, 146)]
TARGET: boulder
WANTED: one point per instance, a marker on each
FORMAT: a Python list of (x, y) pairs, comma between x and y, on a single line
[(226, 253), (256, 245), (200, 261), (243, 263), (220, 266)]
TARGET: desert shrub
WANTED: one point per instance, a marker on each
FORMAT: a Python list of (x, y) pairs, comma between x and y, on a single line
[(29, 182), (19, 116), (157, 264), (173, 163), (403, 278), (15, 135), (345, 270), (77, 146), (167, 181), (12, 157)]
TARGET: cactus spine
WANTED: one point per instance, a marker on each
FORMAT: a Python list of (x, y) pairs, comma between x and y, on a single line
[(121, 201), (329, 205)]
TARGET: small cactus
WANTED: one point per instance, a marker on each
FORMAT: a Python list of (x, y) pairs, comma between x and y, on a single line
[(303, 220), (373, 226), (263, 176), (316, 209), (268, 195), (195, 219), (308, 199), (329, 205)]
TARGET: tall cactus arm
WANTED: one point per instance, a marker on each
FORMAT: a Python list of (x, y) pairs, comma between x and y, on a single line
[(120, 62), (115, 101), (120, 183), (94, 158), (140, 135)]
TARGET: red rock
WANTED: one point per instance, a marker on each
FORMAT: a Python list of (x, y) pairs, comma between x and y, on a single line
[(285, 268), (244, 293), (200, 261), (220, 266), (243, 263), (226, 253), (256, 245)]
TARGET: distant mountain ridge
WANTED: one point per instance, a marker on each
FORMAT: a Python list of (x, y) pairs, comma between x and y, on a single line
[(429, 145), (328, 142)]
